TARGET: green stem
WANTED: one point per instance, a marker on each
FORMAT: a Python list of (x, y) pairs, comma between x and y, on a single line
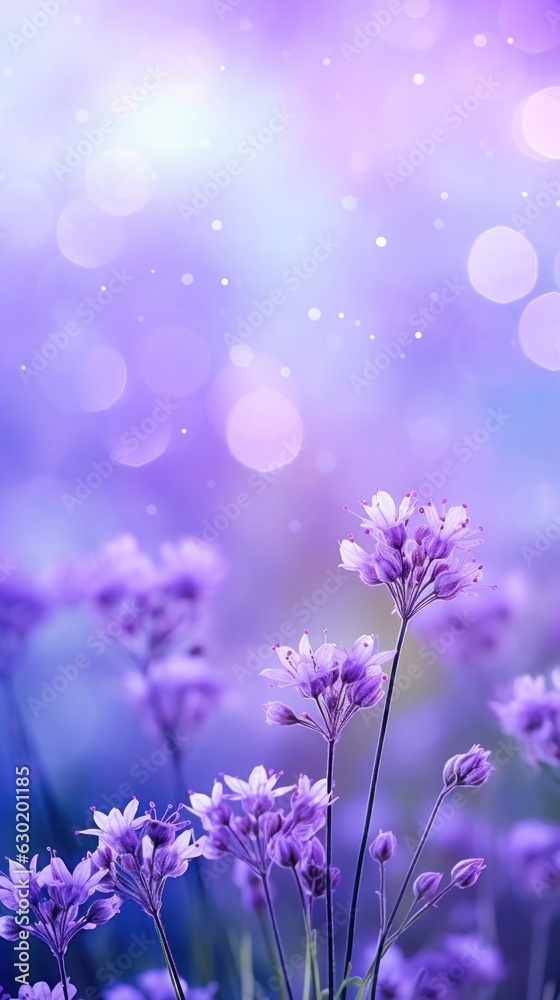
[(167, 954), (277, 938), (371, 800), (385, 933)]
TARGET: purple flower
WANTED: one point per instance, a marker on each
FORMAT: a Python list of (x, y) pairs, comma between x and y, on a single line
[(312, 869), (421, 565), (383, 847), (179, 691), (54, 896), (465, 873), (117, 830), (339, 682), (158, 606), (40, 991), (23, 605), (425, 887), (137, 865), (533, 716), (471, 768), (155, 984), (532, 848), (258, 793)]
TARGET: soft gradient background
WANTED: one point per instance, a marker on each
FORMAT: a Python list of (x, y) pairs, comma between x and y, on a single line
[(317, 324)]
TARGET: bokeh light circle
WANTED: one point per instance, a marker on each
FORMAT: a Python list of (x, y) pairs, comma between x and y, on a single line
[(87, 236), (531, 26), (502, 265), (264, 430), (175, 361), (540, 121), (120, 181), (539, 331), (82, 376)]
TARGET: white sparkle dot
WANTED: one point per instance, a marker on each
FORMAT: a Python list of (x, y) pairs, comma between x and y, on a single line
[(8, 71), (225, 281), (151, 509), (341, 315), (418, 335), (372, 336), (152, 270), (183, 430), (418, 79), (103, 288), (294, 526), (349, 202), (402, 356), (326, 61), (558, 204), (187, 279), (524, 194), (480, 41), (204, 143), (444, 196), (439, 224), (314, 313), (245, 24), (489, 154), (23, 368), (509, 40), (241, 355), (216, 224), (285, 372), (357, 322), (381, 241), (82, 115), (222, 67)]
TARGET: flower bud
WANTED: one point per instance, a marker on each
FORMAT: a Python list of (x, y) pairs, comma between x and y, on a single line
[(367, 692), (285, 849), (471, 768), (466, 873), (426, 886), (278, 714), (383, 847)]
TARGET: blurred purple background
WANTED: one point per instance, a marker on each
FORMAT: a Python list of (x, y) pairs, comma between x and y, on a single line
[(258, 260)]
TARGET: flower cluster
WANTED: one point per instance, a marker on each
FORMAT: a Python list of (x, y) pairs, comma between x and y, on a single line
[(179, 691), (458, 967), (532, 848), (155, 984), (265, 833), (53, 896), (533, 716), (41, 991), (340, 683), (158, 605), (419, 566), (136, 855)]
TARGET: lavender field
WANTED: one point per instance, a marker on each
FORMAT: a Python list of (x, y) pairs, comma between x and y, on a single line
[(280, 506)]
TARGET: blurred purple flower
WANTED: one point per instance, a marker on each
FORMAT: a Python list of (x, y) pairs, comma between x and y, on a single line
[(533, 716), (155, 984), (532, 849), (340, 683), (159, 606), (457, 968), (40, 991), (421, 566), (23, 605), (179, 691)]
